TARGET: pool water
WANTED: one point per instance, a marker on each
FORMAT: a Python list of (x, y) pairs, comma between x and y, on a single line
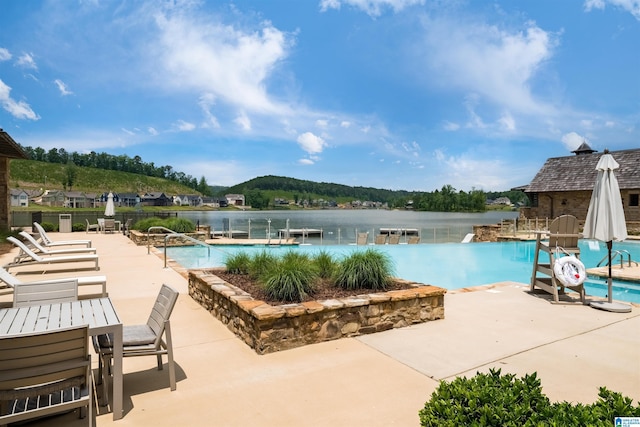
[(447, 265)]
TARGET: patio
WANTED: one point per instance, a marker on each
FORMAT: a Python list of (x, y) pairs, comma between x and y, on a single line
[(374, 380)]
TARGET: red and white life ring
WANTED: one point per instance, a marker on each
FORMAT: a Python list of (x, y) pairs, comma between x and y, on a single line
[(569, 270)]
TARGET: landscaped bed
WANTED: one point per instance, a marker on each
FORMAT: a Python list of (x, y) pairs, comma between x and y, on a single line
[(269, 328)]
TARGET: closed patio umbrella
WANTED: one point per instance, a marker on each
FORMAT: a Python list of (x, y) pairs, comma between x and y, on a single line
[(110, 209), (605, 220)]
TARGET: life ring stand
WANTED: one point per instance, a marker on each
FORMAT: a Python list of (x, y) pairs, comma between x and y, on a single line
[(569, 270)]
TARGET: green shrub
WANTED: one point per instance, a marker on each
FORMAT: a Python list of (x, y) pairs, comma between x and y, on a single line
[(370, 269), (325, 264), (494, 399), (260, 263), (291, 278), (48, 226), (237, 263), (79, 226), (179, 225)]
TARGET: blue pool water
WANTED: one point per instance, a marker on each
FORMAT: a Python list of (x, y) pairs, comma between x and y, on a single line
[(447, 265)]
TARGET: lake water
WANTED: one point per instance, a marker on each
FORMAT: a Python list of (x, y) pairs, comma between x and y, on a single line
[(342, 226)]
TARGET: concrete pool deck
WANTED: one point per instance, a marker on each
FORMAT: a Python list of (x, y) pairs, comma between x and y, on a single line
[(381, 379)]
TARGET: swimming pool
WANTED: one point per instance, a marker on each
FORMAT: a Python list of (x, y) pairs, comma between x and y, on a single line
[(447, 265)]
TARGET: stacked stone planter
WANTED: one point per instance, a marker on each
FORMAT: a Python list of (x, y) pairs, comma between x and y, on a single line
[(269, 328)]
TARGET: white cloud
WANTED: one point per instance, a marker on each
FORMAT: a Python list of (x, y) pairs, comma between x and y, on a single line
[(205, 102), (243, 121), (321, 123), (127, 131), (62, 87), (372, 8), (494, 63), (345, 124), (152, 131), (507, 122), (18, 109), (572, 140), (229, 62), (26, 61), (631, 6), (5, 55), (306, 162), (450, 126), (311, 143), (184, 126)]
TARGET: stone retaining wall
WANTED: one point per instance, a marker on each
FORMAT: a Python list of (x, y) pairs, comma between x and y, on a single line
[(157, 240), (267, 328)]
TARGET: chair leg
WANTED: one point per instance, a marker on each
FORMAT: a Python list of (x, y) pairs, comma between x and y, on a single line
[(170, 362)]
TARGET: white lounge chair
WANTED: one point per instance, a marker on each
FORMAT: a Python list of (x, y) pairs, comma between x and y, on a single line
[(30, 257), (12, 281), (45, 373), (46, 241), (142, 340), (41, 250), (468, 238)]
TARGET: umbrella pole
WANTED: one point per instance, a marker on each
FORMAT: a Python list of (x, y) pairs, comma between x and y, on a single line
[(609, 279)]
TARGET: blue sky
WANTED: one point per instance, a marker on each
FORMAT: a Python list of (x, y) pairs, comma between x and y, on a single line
[(395, 94)]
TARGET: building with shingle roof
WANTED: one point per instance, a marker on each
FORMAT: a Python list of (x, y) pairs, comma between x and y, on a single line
[(564, 184), (9, 149)]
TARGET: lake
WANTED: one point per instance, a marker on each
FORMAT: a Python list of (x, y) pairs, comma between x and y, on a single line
[(341, 226)]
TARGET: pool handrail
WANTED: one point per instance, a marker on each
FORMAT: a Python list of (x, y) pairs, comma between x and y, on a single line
[(171, 234)]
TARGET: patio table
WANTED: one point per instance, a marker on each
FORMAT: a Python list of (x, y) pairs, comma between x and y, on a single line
[(98, 313)]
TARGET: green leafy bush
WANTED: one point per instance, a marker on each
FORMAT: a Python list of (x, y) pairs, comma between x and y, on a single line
[(179, 225), (79, 226), (325, 264), (370, 269), (261, 262), (238, 263), (493, 399), (291, 278), (48, 226)]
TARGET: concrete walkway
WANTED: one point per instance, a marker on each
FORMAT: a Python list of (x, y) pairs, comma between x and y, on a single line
[(382, 379)]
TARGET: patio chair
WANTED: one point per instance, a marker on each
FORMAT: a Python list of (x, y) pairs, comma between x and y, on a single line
[(362, 239), (142, 340), (28, 257), (38, 248), (46, 241), (94, 227), (45, 373), (394, 239), (562, 240), (381, 239), (12, 281), (414, 240), (26, 294), (109, 225)]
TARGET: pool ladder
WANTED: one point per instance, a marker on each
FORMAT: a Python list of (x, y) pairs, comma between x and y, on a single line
[(621, 253), (173, 234)]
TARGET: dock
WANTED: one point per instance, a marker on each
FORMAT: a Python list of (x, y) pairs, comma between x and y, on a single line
[(301, 232), (402, 231)]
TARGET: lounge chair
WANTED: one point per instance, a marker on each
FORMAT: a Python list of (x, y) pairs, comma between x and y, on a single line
[(29, 257), (468, 238), (362, 239), (45, 373), (41, 250), (381, 239), (95, 227), (12, 281), (47, 242), (26, 294), (394, 239), (562, 241), (142, 340), (414, 240)]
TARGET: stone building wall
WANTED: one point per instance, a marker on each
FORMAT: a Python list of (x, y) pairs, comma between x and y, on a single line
[(267, 328)]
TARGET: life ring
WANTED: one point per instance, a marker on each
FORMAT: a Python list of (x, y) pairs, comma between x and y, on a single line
[(569, 270)]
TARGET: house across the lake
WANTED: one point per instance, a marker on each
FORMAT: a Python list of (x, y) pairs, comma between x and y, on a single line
[(563, 186)]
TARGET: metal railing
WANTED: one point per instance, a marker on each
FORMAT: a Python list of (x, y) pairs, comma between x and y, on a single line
[(173, 234), (621, 253)]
